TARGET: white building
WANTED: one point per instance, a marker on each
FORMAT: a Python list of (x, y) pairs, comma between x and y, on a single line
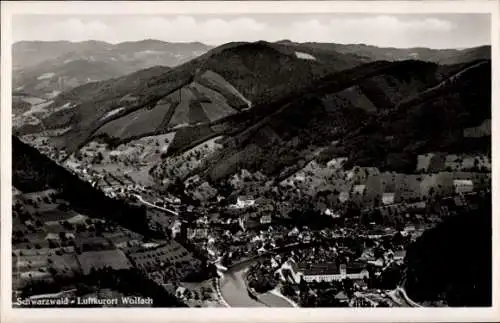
[(294, 232), (265, 219), (243, 202), (463, 185), (52, 236), (399, 256), (359, 189), (388, 198), (300, 178), (336, 162), (327, 272), (329, 212), (343, 197), (176, 228), (179, 292)]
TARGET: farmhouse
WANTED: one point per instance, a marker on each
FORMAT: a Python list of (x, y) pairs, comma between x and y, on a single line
[(359, 189), (388, 198), (265, 219), (463, 185), (244, 202)]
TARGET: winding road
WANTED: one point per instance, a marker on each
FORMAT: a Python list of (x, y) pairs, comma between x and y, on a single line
[(154, 206)]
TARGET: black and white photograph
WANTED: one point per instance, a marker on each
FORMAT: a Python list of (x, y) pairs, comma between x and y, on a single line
[(293, 160)]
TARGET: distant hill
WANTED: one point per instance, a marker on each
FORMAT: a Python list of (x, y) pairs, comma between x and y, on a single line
[(31, 53), (373, 53), (45, 69), (51, 78), (48, 68), (149, 52)]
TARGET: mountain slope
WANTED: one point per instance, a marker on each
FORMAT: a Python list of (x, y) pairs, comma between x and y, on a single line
[(272, 110), (62, 106), (375, 131), (32, 172), (227, 79)]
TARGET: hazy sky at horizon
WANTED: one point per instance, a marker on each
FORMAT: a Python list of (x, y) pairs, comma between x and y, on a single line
[(388, 30)]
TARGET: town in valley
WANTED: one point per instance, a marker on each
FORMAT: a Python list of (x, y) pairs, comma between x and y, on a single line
[(250, 174)]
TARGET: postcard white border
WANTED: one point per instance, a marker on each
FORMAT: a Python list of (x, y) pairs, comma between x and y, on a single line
[(232, 315)]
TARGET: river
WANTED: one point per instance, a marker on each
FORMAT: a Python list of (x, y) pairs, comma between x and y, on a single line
[(234, 290), (235, 293)]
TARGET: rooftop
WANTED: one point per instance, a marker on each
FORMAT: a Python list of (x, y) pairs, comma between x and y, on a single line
[(355, 267), (319, 269), (462, 182), (400, 254), (359, 188)]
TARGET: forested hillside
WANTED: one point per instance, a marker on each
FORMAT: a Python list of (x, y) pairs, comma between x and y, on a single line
[(453, 261), (33, 171)]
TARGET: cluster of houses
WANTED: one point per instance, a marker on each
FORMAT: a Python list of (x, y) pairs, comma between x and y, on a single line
[(367, 186), (439, 161), (387, 188), (113, 185)]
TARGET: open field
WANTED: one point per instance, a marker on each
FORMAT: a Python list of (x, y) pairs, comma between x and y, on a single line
[(98, 259)]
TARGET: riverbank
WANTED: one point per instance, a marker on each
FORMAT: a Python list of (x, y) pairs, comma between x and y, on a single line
[(277, 293), (234, 291), (219, 293)]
